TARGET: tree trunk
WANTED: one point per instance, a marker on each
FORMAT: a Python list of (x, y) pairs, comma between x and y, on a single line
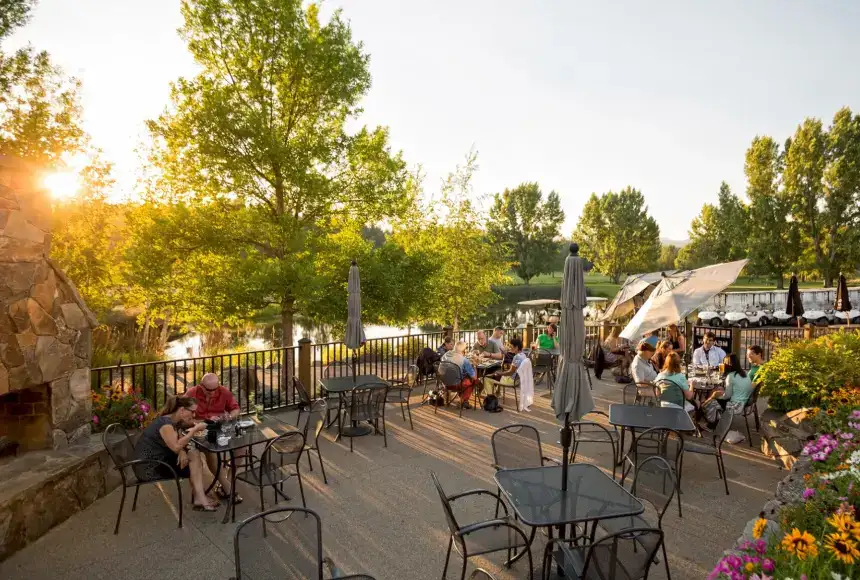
[(162, 341), (780, 283), (144, 341), (456, 323), (287, 324)]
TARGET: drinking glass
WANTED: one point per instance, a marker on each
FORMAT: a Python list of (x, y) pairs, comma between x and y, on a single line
[(258, 410)]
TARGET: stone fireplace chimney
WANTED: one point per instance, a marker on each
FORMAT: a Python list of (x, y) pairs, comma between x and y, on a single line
[(45, 327)]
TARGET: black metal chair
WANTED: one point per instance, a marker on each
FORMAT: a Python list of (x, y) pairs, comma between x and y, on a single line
[(657, 442), (586, 431), (336, 368), (366, 404), (715, 447), (646, 487), (401, 389), (275, 466), (121, 452), (294, 549), (481, 574), (618, 556), (482, 537), (640, 394), (314, 425), (518, 446), (751, 408), (543, 367), (449, 377), (304, 400)]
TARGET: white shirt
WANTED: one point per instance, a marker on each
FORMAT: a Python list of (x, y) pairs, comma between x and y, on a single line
[(712, 358), (642, 370)]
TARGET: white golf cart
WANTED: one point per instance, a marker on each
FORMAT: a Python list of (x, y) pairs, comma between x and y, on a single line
[(850, 317), (816, 317), (711, 318), (747, 318), (780, 318)]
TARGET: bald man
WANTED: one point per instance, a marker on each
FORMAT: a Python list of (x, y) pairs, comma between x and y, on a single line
[(488, 348)]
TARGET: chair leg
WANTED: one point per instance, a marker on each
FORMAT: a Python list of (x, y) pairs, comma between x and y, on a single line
[(757, 424), (516, 399), (409, 412), (179, 499), (749, 435), (666, 562), (463, 573), (384, 431), (447, 558), (301, 486), (119, 515), (310, 465), (322, 465), (134, 503), (725, 475), (402, 411)]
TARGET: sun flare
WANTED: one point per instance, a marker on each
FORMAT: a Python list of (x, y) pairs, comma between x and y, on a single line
[(62, 184)]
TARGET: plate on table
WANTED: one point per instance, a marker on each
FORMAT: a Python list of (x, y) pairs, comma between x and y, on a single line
[(245, 423)]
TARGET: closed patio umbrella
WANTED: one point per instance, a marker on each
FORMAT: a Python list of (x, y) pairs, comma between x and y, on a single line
[(572, 395), (354, 338), (794, 306), (843, 302)]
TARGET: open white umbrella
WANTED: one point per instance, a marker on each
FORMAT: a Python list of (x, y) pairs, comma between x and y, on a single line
[(572, 395), (679, 295), (354, 338), (636, 285)]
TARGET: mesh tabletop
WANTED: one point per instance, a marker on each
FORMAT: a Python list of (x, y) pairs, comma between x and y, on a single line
[(346, 384), (644, 417), (263, 431), (536, 495)]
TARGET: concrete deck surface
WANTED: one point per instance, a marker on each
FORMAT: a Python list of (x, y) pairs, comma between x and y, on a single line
[(380, 512)]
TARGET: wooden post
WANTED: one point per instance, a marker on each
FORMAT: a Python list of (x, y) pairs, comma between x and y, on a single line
[(305, 364), (604, 331), (530, 332), (808, 332), (736, 342)]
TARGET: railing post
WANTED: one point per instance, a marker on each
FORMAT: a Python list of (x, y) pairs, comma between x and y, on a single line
[(305, 364), (603, 331), (530, 333), (736, 341), (808, 332)]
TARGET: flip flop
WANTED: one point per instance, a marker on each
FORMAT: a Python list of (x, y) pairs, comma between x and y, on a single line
[(225, 496), (205, 508)]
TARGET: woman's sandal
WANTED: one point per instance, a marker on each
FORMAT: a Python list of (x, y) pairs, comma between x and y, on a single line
[(209, 507), (225, 496)]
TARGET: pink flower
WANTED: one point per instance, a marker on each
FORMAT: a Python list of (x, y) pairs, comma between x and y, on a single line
[(767, 565), (808, 493), (847, 435), (96, 419), (761, 577), (761, 547)]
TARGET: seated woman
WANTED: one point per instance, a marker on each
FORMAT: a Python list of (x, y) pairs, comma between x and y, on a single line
[(616, 351), (738, 386), (664, 347), (679, 343), (520, 365), (675, 390), (641, 368), (470, 375), (160, 440)]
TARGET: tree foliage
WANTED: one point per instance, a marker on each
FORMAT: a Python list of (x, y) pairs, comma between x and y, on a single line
[(616, 233), (668, 256), (718, 234), (525, 226), (259, 139)]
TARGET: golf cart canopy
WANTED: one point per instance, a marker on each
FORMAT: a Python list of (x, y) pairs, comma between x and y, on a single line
[(635, 288), (541, 302)]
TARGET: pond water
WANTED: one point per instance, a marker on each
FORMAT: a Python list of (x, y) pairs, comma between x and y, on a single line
[(505, 313)]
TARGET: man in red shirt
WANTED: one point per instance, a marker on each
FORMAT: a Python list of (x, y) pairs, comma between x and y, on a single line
[(213, 400)]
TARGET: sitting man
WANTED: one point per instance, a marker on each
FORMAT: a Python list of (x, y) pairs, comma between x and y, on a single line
[(641, 368), (446, 346), (709, 354), (215, 401), (506, 378), (499, 338), (467, 371), (487, 348), (547, 340), (755, 356)]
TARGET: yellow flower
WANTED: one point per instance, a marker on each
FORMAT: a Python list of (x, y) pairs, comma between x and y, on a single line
[(759, 527), (750, 567), (843, 547), (844, 523), (801, 544), (831, 412)]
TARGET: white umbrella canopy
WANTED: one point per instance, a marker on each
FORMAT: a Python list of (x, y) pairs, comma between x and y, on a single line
[(354, 338), (633, 286), (680, 294), (572, 395)]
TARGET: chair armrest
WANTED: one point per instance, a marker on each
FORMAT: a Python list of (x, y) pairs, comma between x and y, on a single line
[(475, 492), (466, 530), (551, 460), (143, 461)]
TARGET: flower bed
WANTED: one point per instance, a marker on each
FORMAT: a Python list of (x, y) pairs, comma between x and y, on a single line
[(816, 537), (113, 404)]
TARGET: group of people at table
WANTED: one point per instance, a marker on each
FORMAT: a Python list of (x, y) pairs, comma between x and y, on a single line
[(660, 363), (510, 359)]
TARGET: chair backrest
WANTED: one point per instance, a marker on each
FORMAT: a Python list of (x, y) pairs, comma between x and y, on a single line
[(665, 389), (413, 374), (655, 481), (337, 368), (627, 554), (481, 574), (542, 359), (315, 421), (753, 400), (450, 374), (367, 402), (284, 542), (656, 441), (119, 447), (287, 447), (640, 394), (301, 392), (516, 446), (453, 526), (723, 427)]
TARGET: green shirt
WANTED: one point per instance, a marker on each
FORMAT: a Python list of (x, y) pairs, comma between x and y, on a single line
[(741, 388), (753, 372), (671, 385), (546, 341), (490, 348)]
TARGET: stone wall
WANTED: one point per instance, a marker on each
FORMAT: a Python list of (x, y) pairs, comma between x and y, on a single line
[(45, 327)]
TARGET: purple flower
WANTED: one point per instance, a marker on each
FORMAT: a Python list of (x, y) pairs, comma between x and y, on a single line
[(847, 435), (767, 565), (735, 575), (856, 413), (96, 419), (761, 547), (808, 493)]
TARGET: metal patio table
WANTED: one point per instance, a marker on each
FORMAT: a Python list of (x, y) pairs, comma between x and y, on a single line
[(644, 417), (263, 431)]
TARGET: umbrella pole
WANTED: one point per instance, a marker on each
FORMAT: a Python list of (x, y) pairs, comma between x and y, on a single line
[(565, 461)]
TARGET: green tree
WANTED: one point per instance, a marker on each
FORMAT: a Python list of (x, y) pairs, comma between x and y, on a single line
[(668, 255), (616, 233), (718, 234), (774, 244), (525, 226), (822, 181), (259, 138), (40, 112)]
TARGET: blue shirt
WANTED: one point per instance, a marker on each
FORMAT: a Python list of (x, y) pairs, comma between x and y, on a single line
[(652, 340), (518, 359), (468, 368)]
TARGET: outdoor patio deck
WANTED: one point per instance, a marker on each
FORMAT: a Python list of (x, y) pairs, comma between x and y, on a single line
[(380, 512)]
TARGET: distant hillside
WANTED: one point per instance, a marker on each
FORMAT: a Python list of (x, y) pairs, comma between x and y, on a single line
[(676, 243)]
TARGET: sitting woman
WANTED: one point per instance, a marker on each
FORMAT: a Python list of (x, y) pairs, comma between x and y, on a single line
[(470, 375), (160, 440), (677, 340), (675, 390), (738, 386), (664, 347), (616, 351)]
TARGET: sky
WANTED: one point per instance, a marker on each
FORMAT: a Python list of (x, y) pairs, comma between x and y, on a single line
[(582, 97)]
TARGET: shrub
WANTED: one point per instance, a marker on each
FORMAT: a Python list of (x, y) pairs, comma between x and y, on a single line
[(806, 373), (113, 404)]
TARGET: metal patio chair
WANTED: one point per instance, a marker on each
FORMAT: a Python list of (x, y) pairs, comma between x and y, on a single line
[(713, 447), (618, 556), (751, 408), (401, 389), (314, 425)]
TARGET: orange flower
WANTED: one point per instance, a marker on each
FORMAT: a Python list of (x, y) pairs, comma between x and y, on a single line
[(800, 544), (842, 547)]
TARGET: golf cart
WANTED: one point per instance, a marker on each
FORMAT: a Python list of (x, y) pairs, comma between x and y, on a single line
[(710, 318), (781, 318), (816, 317), (747, 318), (850, 317)]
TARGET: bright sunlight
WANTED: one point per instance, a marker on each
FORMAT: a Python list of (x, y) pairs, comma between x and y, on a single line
[(62, 184)]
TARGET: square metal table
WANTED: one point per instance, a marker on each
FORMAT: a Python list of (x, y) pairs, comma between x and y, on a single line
[(263, 431), (342, 385), (535, 494), (644, 417)]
